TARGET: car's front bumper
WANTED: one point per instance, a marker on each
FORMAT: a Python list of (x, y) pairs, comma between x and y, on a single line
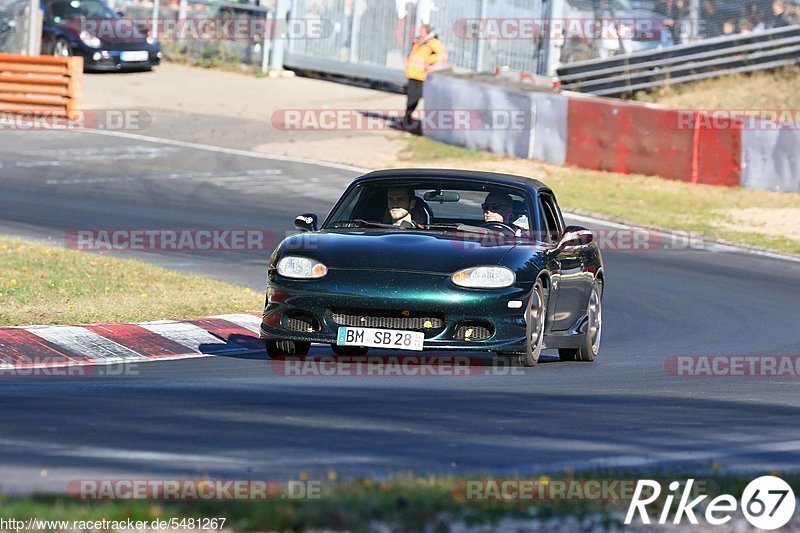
[(111, 61), (399, 292)]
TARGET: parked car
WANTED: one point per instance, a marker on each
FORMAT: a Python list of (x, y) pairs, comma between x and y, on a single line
[(450, 276), (92, 30)]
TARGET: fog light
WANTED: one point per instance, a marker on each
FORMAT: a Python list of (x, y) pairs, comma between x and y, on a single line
[(160, 54), (515, 304), (96, 56)]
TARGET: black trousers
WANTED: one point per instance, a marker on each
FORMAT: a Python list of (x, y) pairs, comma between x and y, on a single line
[(414, 93)]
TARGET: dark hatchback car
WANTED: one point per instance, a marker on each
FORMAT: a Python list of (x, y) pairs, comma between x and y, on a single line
[(451, 275), (92, 30)]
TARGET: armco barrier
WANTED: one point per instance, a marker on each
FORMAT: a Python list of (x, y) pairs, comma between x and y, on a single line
[(544, 134), (771, 160), (447, 92), (41, 85)]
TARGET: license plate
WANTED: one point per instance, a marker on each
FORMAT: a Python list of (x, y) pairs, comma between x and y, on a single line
[(134, 57), (395, 339)]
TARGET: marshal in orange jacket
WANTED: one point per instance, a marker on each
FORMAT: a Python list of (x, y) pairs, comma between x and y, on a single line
[(424, 56)]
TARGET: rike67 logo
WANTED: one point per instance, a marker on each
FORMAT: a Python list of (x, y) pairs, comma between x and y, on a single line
[(767, 502)]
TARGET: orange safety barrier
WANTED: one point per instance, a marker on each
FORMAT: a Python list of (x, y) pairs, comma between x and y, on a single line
[(41, 85)]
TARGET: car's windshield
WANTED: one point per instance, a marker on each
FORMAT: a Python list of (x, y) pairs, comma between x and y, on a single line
[(62, 11), (436, 205)]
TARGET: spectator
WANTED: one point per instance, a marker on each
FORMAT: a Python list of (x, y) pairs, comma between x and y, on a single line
[(711, 20), (674, 12), (745, 26), (427, 54), (777, 19), (729, 27)]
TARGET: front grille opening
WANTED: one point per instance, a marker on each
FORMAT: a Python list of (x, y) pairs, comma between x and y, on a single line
[(304, 322), (473, 331), (372, 318)]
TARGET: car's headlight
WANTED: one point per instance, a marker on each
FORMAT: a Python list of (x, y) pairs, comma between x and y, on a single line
[(301, 268), (90, 40), (484, 277), (151, 39)]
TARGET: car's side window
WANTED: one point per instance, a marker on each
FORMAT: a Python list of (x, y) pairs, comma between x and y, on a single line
[(554, 223), (545, 229), (557, 214)]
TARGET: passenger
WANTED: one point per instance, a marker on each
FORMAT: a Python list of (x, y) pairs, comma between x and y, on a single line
[(499, 207)]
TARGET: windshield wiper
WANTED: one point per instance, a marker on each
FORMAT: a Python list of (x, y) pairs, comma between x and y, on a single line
[(356, 222), (464, 228)]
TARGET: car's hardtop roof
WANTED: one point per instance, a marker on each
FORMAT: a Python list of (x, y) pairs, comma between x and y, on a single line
[(455, 175)]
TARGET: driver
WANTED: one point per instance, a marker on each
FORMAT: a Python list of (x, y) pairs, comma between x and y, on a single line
[(401, 204), (498, 207)]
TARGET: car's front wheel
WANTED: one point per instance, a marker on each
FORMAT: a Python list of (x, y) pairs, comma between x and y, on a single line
[(534, 318), (590, 345), (283, 348)]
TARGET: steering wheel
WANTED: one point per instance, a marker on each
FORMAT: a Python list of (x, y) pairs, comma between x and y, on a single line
[(502, 227)]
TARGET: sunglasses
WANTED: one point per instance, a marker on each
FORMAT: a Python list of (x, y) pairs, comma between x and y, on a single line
[(494, 207)]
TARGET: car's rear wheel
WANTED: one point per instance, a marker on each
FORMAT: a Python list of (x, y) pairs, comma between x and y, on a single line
[(349, 350), (284, 348), (590, 345), (61, 48), (534, 318)]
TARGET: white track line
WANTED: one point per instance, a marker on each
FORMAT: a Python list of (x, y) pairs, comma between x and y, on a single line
[(219, 149)]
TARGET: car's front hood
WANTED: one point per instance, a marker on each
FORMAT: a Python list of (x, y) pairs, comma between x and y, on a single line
[(400, 250), (110, 31)]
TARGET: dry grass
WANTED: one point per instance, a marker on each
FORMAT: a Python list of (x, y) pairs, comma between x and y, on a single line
[(761, 90), (46, 284)]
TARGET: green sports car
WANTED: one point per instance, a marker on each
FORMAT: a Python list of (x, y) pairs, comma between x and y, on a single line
[(425, 259)]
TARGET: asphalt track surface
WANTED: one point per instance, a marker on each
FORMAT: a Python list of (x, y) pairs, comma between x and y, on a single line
[(233, 417)]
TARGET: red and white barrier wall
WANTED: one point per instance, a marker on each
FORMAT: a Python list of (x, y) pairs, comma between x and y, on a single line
[(631, 138)]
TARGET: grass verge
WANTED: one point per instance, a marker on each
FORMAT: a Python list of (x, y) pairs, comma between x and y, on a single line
[(47, 284), (774, 90), (411, 503), (753, 218)]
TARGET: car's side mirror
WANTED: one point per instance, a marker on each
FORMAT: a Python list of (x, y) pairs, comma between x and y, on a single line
[(306, 222), (575, 236), (120, 13)]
